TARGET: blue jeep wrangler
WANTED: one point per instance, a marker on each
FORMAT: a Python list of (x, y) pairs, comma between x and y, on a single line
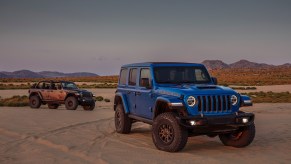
[(180, 100)]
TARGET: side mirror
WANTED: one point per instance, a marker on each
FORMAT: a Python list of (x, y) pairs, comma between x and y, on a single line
[(214, 80), (145, 82)]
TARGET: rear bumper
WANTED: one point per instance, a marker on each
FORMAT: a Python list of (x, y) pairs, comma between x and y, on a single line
[(86, 101), (216, 124)]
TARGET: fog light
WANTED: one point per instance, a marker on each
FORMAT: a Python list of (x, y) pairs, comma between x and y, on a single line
[(245, 120), (192, 123)]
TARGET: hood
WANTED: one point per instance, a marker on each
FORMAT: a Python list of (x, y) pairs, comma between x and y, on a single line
[(201, 89), (79, 91)]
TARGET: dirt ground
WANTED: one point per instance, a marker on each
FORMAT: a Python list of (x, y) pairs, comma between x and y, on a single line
[(61, 136)]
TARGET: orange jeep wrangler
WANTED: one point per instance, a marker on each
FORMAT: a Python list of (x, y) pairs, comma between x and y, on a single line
[(55, 93)]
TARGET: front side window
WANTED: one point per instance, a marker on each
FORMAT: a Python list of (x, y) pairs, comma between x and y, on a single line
[(181, 74), (122, 77), (132, 76)]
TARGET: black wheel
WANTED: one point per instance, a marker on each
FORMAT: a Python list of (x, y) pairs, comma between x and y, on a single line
[(167, 134), (240, 138), (34, 101), (122, 121), (89, 107), (71, 103), (53, 106)]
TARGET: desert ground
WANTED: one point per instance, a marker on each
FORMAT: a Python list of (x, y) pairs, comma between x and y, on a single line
[(61, 136)]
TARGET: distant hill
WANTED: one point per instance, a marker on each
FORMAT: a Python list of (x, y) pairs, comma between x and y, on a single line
[(43, 74), (3, 75), (22, 74), (215, 64), (61, 74), (248, 64), (288, 65), (218, 64)]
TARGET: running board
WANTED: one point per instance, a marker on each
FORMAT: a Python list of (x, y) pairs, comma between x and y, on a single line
[(145, 120)]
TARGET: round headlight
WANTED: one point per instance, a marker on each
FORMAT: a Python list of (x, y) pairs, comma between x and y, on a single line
[(233, 99), (191, 101)]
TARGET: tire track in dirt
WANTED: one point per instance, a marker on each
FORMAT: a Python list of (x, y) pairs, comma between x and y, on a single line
[(39, 139)]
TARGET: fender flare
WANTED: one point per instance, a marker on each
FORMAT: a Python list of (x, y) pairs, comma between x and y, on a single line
[(38, 93), (172, 102), (245, 101), (124, 102), (69, 95)]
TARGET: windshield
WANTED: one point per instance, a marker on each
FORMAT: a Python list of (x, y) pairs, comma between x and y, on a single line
[(181, 74), (69, 85)]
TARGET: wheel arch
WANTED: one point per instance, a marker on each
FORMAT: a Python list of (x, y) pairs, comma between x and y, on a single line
[(35, 94), (164, 104), (120, 99), (70, 95)]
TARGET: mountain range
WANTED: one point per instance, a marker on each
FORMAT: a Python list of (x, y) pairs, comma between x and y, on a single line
[(210, 64), (43, 74), (218, 64)]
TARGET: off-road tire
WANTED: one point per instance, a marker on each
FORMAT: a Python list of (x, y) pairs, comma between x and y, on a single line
[(122, 121), (89, 107), (167, 134), (52, 106), (71, 103), (34, 101), (241, 138)]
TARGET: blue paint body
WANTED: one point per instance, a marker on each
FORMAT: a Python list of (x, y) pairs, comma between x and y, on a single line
[(211, 99)]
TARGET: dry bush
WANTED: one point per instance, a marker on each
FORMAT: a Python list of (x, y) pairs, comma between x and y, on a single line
[(270, 97), (15, 101), (245, 77)]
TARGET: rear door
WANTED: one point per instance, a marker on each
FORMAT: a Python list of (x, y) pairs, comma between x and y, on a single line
[(44, 90), (57, 93), (144, 97), (130, 91)]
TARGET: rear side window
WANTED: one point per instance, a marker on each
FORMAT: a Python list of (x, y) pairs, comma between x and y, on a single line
[(132, 76), (122, 77)]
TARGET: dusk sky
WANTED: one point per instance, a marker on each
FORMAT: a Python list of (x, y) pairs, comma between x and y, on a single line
[(100, 36)]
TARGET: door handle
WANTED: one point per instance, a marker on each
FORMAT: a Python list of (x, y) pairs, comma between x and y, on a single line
[(128, 92)]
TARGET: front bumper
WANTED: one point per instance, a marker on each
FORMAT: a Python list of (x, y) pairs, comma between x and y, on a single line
[(199, 125), (86, 101)]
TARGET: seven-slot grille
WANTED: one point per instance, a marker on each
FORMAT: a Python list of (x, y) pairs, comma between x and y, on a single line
[(211, 103)]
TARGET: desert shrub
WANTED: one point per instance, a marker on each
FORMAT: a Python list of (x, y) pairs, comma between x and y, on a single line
[(270, 97), (99, 98), (102, 85), (244, 88), (107, 100), (12, 86), (15, 101)]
